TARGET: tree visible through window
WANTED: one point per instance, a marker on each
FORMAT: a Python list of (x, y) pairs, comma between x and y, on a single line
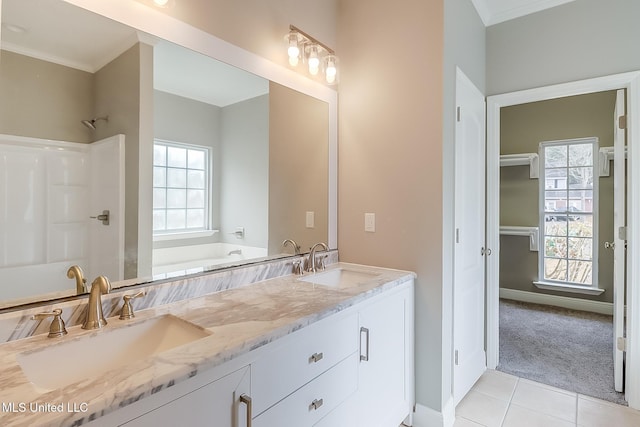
[(180, 187), (569, 201)]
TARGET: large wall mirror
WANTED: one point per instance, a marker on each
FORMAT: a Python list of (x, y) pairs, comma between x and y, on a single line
[(128, 149)]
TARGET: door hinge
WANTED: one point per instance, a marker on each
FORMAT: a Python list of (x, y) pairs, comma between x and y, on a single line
[(455, 357), (458, 114), (622, 122), (621, 344), (622, 233)]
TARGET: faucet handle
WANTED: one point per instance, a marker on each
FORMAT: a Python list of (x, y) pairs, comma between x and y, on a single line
[(57, 328), (297, 266), (127, 309), (321, 262)]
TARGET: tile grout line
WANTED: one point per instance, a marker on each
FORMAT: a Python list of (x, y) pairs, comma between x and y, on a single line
[(504, 417)]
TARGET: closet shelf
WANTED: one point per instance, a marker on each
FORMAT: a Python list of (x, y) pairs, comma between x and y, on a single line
[(604, 158), (531, 232), (522, 159)]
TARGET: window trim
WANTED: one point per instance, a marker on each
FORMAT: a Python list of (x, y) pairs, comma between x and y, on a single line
[(566, 285), (196, 232)]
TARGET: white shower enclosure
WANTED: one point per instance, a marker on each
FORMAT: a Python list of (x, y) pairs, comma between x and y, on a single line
[(49, 190)]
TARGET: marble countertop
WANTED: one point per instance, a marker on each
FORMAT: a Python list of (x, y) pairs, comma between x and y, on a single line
[(238, 320)]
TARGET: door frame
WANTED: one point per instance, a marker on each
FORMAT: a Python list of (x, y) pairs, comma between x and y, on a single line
[(631, 82)]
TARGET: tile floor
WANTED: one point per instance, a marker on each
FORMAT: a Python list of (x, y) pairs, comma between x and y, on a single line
[(503, 400)]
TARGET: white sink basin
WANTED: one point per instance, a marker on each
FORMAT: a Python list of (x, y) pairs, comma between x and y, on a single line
[(64, 363), (339, 277)]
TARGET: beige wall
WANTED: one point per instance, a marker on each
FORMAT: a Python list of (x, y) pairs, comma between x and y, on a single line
[(298, 168), (44, 100), (256, 25), (523, 127), (390, 156)]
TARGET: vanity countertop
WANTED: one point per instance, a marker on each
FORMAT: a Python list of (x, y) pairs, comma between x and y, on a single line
[(238, 320)]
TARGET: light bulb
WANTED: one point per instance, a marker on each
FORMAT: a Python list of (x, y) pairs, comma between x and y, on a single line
[(161, 3), (293, 51), (314, 61), (331, 71)]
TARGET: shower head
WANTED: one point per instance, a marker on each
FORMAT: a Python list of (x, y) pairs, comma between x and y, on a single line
[(91, 124)]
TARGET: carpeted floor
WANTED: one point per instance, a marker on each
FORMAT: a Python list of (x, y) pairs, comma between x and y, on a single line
[(569, 349)]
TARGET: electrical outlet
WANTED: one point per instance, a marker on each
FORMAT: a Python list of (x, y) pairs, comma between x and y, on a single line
[(370, 222)]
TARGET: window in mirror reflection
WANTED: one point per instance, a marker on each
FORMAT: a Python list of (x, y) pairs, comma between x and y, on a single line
[(180, 187)]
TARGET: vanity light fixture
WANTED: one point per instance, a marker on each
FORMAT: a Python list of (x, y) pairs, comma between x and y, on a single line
[(162, 3), (316, 55)]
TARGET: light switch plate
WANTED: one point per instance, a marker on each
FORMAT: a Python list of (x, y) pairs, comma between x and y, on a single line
[(370, 222), (311, 219)]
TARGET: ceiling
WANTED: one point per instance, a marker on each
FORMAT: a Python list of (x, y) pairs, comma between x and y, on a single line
[(86, 41), (27, 28), (495, 11)]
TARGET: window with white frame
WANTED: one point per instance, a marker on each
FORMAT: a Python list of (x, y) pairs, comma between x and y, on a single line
[(180, 187), (569, 201)]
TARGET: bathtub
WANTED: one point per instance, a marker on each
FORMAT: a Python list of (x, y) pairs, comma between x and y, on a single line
[(195, 258)]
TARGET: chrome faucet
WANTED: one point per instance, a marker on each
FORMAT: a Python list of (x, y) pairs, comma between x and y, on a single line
[(310, 264), (95, 319), (81, 283), (294, 245)]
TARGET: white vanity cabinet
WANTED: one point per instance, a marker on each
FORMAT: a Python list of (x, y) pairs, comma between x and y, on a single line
[(195, 402), (386, 386), (371, 387), (352, 368), (218, 403), (298, 358), (306, 406), (306, 374)]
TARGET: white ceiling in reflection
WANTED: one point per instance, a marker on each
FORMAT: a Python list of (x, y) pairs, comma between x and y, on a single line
[(82, 40)]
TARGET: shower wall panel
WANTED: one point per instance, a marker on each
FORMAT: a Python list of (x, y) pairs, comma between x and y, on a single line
[(44, 215)]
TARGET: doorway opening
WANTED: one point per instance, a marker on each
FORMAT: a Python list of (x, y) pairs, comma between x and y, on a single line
[(494, 272), (569, 205)]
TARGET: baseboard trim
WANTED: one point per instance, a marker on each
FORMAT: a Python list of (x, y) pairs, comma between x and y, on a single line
[(427, 417), (558, 301)]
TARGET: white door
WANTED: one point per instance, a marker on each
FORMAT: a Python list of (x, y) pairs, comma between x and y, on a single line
[(619, 251), (469, 252)]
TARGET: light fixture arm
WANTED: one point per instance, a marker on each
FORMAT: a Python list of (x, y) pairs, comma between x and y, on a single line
[(311, 39)]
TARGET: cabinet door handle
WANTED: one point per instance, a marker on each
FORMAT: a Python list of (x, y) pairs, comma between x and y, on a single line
[(364, 357), (247, 401), (316, 404), (316, 357)]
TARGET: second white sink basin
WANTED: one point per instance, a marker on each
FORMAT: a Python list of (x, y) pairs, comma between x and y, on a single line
[(339, 277), (64, 363)]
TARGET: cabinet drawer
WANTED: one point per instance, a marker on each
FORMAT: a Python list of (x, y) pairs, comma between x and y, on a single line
[(303, 356), (315, 400)]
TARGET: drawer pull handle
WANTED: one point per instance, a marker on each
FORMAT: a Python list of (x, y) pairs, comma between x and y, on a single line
[(316, 357), (247, 401), (316, 404), (364, 357)]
